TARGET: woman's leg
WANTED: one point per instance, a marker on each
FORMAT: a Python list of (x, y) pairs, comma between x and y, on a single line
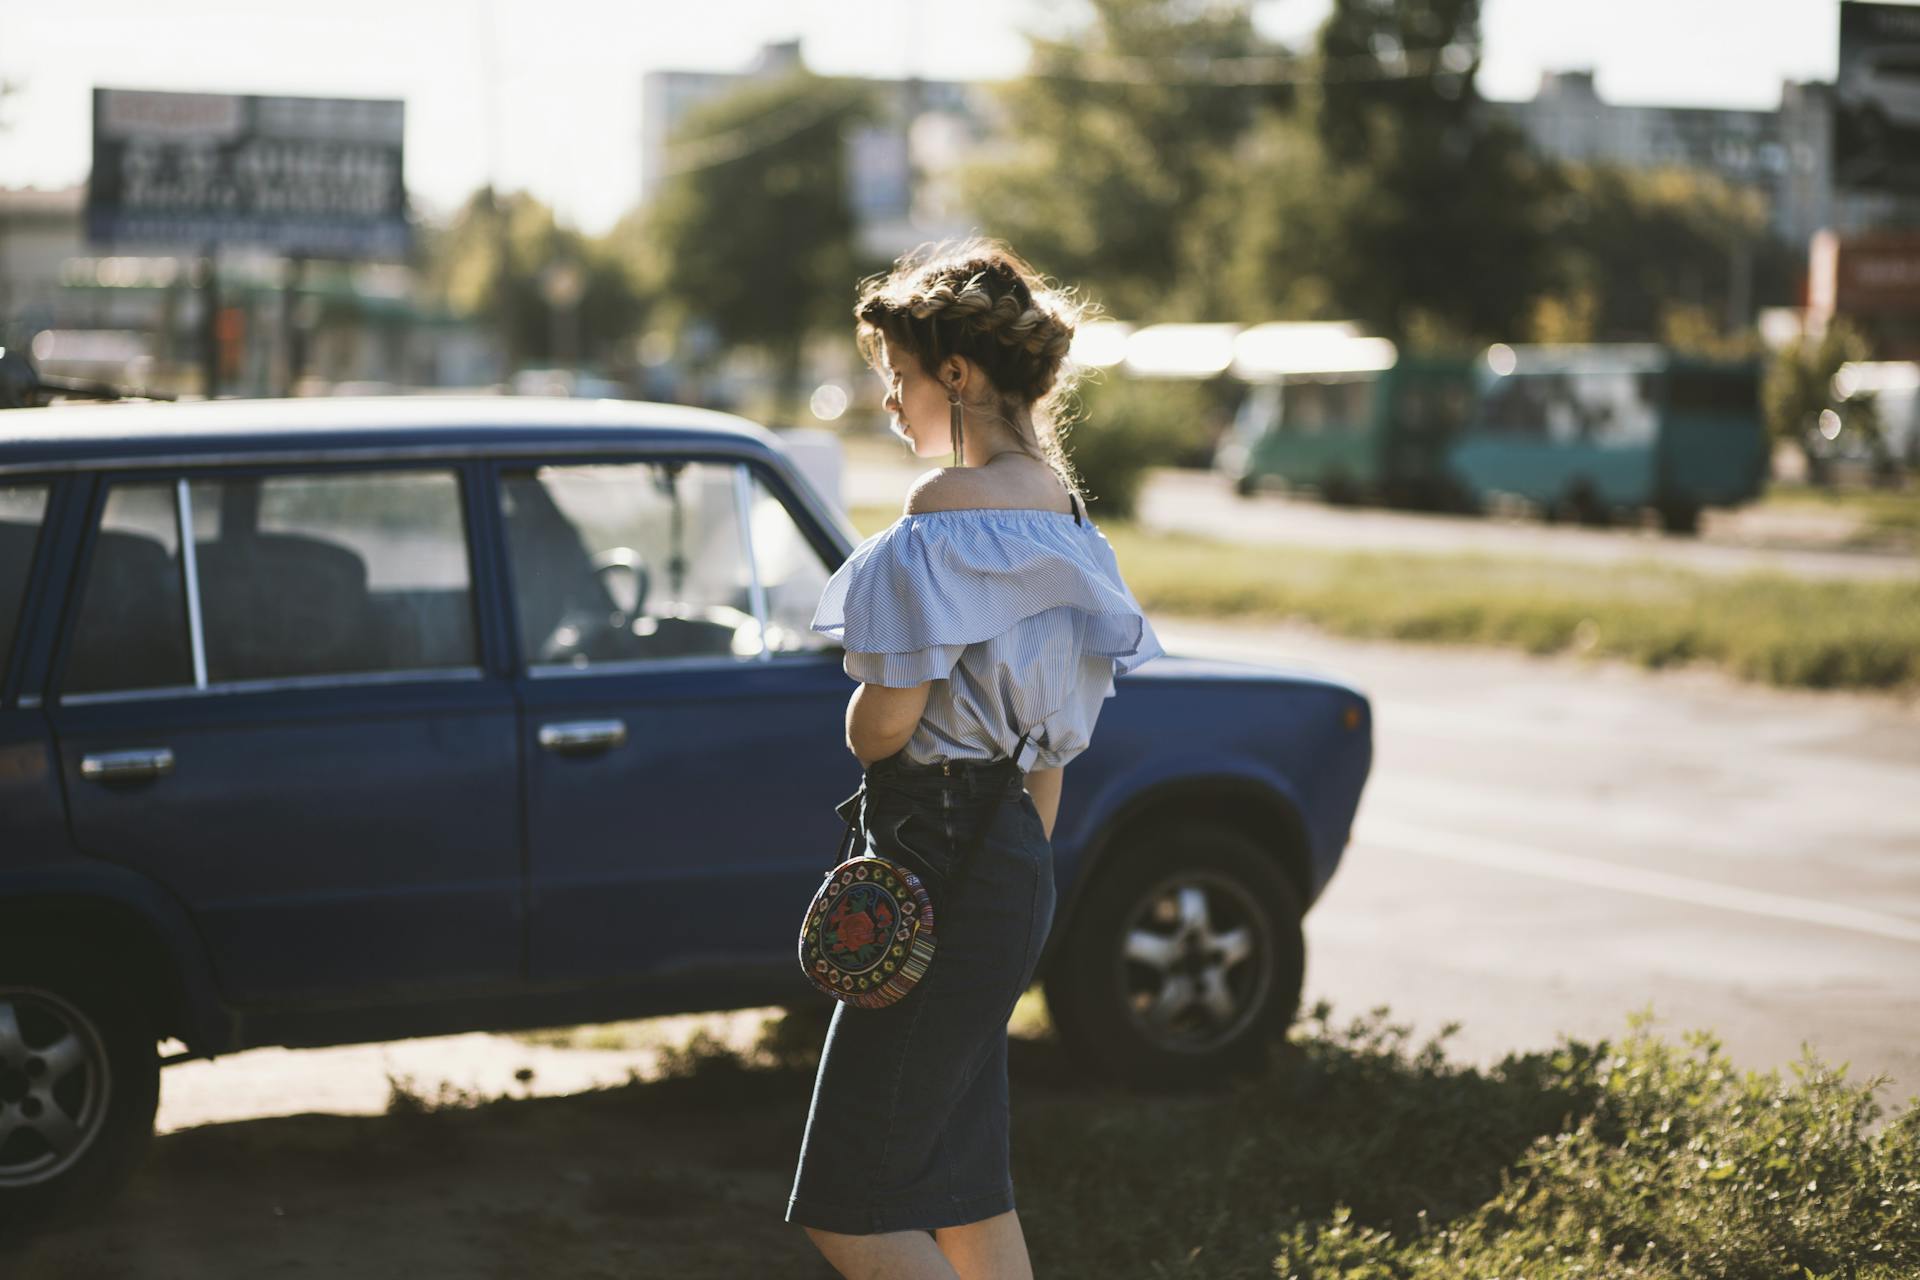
[(910, 1255), (992, 1249)]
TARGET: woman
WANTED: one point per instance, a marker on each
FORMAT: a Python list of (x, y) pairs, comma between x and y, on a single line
[(988, 620)]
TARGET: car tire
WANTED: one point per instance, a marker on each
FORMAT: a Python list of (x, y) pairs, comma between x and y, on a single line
[(1155, 935), (1680, 517), (79, 1085), (1245, 486), (1337, 489)]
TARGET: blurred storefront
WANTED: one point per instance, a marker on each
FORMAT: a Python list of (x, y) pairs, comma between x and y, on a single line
[(1873, 279), (139, 320)]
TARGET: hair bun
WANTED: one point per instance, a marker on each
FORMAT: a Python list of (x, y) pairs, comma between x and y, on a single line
[(977, 298)]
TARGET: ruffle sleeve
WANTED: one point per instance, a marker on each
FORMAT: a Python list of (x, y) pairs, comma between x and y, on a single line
[(910, 598)]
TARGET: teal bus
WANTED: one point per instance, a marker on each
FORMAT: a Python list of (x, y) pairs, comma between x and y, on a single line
[(1587, 432), (1350, 417)]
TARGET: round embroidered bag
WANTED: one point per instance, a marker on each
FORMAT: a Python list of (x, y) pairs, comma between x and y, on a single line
[(868, 935)]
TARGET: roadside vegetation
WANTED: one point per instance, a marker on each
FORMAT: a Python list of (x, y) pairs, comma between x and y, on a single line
[(1766, 627), (1884, 515), (1356, 1151)]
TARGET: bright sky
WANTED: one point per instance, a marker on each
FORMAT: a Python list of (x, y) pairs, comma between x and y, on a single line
[(565, 75)]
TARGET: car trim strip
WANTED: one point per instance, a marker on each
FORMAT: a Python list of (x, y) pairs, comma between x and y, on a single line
[(642, 666), (285, 684), (756, 590), (190, 567), (505, 449)]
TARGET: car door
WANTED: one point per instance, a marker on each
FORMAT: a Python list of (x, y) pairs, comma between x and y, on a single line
[(271, 697), (34, 817), (683, 726)]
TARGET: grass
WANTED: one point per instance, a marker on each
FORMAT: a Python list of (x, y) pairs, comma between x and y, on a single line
[(1363, 1155), (1881, 512), (1354, 1151), (1359, 1153), (1767, 627)]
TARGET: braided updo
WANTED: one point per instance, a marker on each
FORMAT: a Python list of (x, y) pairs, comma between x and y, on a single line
[(978, 299)]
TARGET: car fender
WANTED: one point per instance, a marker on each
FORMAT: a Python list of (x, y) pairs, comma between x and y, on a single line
[(89, 895), (1161, 778)]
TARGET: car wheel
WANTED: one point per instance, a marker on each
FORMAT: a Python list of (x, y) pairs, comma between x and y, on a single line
[(79, 1083), (1338, 490), (1680, 517), (1183, 961), (1581, 504), (1245, 486)]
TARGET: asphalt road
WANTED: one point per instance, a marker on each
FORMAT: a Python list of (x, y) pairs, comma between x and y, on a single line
[(1805, 543), (1546, 845), (1802, 543)]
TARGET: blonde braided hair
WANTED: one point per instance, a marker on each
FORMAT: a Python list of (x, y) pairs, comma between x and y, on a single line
[(978, 299)]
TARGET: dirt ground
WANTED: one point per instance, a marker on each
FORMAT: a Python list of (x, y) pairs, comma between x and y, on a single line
[(682, 1169), (683, 1176), (661, 1179)]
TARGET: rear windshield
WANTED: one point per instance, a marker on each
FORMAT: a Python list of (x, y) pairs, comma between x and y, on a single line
[(22, 507)]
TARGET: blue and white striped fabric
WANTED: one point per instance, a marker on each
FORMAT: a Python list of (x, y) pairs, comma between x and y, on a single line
[(1018, 615)]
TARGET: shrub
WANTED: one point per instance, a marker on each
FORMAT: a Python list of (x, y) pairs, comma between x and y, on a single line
[(1127, 425)]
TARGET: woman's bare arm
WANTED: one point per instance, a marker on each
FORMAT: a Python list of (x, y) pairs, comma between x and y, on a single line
[(1044, 786), (880, 719)]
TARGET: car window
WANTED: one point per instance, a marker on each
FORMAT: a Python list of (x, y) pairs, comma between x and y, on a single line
[(624, 562), (22, 507), (791, 573), (132, 627), (332, 574), (1517, 405), (1732, 393)]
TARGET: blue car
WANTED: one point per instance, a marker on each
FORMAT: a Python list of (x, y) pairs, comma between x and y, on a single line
[(327, 721)]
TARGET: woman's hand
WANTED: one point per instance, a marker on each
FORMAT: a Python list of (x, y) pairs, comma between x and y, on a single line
[(881, 719)]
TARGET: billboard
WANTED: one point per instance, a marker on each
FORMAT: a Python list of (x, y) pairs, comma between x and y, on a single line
[(314, 177), (1876, 116)]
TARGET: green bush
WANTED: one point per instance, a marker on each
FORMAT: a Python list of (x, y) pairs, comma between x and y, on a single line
[(1126, 426), (1360, 1156)]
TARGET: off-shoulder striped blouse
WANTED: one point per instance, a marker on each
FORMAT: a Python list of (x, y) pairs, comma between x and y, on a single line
[(1018, 615)]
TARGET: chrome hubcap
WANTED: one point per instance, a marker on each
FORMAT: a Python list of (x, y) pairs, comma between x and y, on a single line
[(53, 1085), (1193, 968)]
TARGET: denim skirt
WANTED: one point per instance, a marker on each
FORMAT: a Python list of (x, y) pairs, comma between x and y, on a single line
[(908, 1127)]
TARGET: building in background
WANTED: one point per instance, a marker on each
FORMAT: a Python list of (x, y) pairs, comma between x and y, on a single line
[(1786, 153), (1864, 265), (39, 231), (900, 169)]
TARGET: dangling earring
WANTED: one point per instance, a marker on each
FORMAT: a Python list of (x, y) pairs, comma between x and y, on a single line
[(953, 421)]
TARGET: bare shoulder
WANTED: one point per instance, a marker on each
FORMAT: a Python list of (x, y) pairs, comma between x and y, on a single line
[(1000, 485), (946, 489)]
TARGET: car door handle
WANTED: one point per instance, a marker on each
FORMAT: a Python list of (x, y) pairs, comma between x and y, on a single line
[(127, 766), (581, 736)]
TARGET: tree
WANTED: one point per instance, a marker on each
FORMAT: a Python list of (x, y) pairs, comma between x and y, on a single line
[(753, 234), (1797, 396), (499, 259), (1435, 226), (1119, 132), (1674, 255)]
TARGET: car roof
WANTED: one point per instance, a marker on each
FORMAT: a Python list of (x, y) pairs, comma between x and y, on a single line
[(133, 434)]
